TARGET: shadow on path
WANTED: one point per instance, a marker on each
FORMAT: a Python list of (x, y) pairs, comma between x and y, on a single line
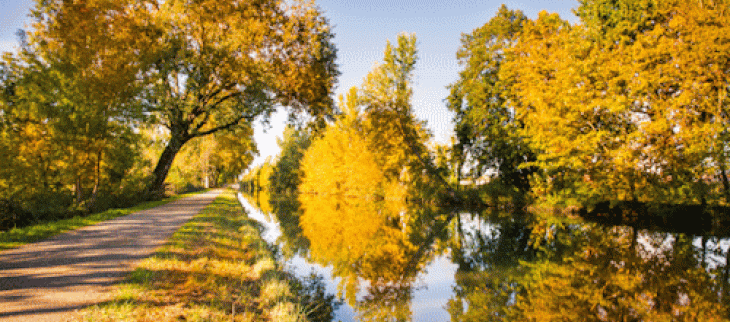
[(49, 280)]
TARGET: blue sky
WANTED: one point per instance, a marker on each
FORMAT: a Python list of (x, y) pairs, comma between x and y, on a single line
[(361, 30)]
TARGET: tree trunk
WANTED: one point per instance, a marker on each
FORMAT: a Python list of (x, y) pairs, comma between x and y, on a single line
[(97, 182), (725, 276), (157, 188), (78, 191), (725, 183)]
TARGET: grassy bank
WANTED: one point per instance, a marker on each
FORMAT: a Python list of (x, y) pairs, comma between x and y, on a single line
[(20, 236), (215, 268)]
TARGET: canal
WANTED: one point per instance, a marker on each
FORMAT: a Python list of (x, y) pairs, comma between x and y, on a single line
[(391, 261)]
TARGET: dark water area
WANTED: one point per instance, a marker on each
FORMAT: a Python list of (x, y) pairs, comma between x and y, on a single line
[(391, 261)]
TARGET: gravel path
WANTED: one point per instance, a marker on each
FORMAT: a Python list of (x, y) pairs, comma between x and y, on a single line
[(49, 280)]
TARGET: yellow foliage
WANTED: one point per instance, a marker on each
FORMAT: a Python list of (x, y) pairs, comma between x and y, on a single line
[(377, 146), (358, 238), (642, 120), (341, 163)]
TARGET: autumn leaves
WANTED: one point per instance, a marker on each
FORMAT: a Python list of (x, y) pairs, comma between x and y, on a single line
[(94, 77), (369, 150), (629, 104)]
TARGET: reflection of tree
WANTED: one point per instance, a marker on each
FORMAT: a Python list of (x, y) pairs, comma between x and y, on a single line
[(488, 249), (357, 237), (263, 201), (378, 247), (526, 270), (287, 211), (617, 274), (388, 301)]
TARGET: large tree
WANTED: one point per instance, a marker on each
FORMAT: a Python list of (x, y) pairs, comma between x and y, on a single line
[(62, 115), (485, 127), (199, 67), (630, 105)]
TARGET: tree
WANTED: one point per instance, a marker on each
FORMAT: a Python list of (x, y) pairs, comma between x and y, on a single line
[(485, 125), (683, 81), (214, 159), (207, 74), (287, 173), (235, 152), (388, 119), (63, 110), (638, 115), (618, 21), (207, 66), (377, 147), (341, 162)]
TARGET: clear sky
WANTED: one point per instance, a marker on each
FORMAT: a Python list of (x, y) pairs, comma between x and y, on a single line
[(361, 30)]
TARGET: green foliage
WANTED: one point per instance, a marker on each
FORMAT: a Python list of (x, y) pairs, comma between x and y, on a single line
[(65, 148), (92, 76), (487, 132), (287, 175), (619, 21), (384, 100), (258, 178), (187, 67)]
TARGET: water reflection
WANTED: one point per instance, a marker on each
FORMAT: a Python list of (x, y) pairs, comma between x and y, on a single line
[(621, 274), (373, 247), (489, 248), (509, 266)]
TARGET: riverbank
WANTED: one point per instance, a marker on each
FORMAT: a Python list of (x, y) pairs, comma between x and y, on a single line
[(17, 237), (215, 268)]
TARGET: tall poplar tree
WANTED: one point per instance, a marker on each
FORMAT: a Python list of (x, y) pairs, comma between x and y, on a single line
[(378, 146)]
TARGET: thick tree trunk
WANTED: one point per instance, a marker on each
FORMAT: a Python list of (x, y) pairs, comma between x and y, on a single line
[(157, 188)]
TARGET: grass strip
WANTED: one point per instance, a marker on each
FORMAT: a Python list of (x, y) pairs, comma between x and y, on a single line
[(17, 237), (216, 267)]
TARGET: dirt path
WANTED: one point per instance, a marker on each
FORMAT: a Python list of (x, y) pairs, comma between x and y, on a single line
[(49, 280)]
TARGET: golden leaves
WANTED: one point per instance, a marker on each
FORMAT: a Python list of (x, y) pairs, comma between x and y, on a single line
[(625, 113)]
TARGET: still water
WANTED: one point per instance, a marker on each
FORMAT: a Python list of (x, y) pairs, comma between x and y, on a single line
[(395, 262)]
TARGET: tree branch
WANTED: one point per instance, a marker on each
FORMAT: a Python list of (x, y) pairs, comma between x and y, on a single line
[(223, 127), (225, 98), (205, 119)]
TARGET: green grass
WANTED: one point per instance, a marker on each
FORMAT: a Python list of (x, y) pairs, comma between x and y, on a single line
[(20, 236), (216, 267)]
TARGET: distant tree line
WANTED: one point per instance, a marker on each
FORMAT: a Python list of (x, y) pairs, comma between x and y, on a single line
[(629, 104)]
